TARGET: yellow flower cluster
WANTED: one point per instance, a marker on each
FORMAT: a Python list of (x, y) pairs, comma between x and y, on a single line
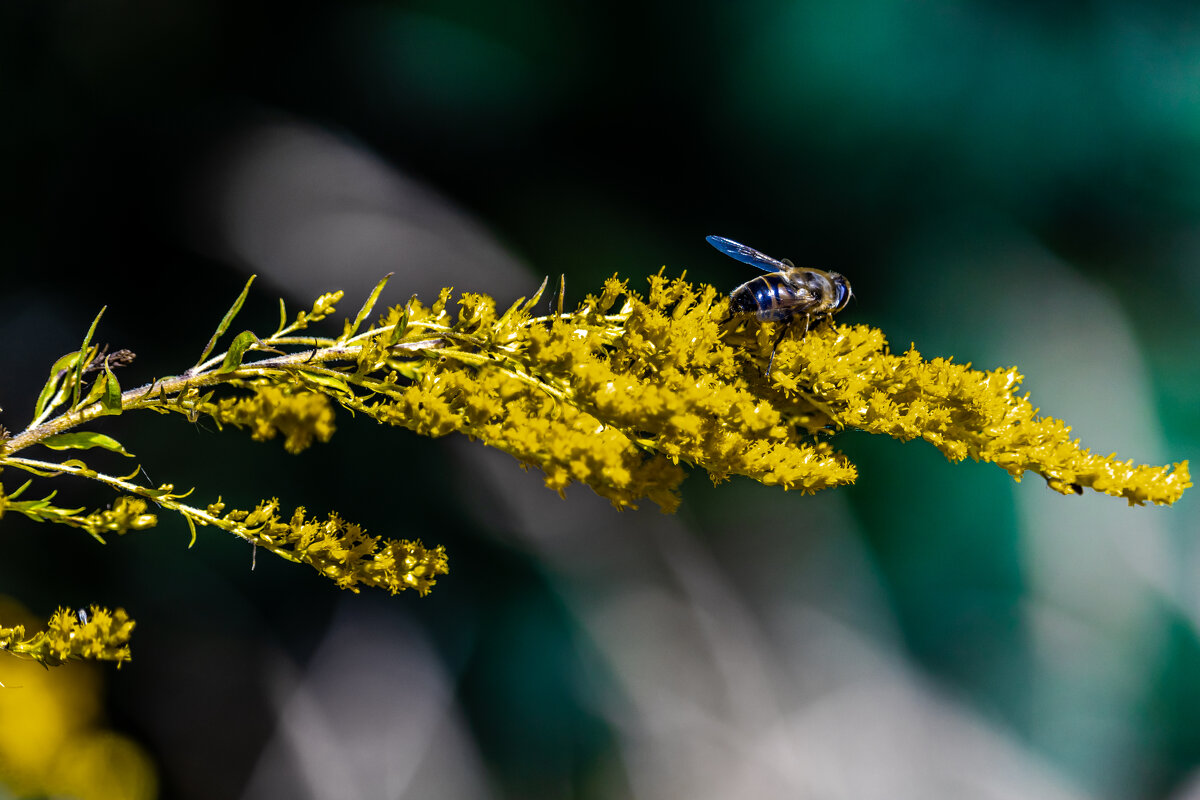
[(127, 513), (339, 550), (300, 415), (964, 412), (614, 401), (621, 392), (98, 634)]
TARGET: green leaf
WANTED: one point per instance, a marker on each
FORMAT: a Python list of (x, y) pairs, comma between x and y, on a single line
[(111, 399), (365, 311), (500, 323), (95, 392), (57, 373), (39, 505), (399, 329), (226, 321), (20, 490), (533, 301), (522, 305), (324, 380), (233, 358), (131, 475), (43, 473), (83, 358), (167, 490), (84, 441)]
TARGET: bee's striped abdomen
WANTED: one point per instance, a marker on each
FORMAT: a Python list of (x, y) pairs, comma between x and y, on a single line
[(771, 297)]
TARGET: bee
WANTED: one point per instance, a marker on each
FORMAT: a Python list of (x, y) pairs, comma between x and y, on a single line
[(785, 292)]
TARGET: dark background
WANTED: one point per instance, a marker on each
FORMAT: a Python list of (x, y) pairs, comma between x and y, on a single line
[(1004, 182)]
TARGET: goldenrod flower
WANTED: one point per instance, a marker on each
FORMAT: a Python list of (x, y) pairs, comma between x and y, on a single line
[(623, 394), (300, 415), (97, 634), (619, 400), (338, 549)]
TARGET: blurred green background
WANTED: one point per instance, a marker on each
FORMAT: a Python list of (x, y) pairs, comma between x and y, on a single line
[(1004, 182)]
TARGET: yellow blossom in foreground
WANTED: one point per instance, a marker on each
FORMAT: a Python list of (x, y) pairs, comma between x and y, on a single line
[(96, 634), (53, 741)]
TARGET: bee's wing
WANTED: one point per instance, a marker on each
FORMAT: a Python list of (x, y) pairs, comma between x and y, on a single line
[(747, 255)]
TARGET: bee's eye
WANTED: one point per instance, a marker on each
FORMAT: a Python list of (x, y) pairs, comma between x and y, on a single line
[(843, 293)]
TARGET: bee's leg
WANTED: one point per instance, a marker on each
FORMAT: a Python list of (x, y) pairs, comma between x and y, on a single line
[(783, 329)]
